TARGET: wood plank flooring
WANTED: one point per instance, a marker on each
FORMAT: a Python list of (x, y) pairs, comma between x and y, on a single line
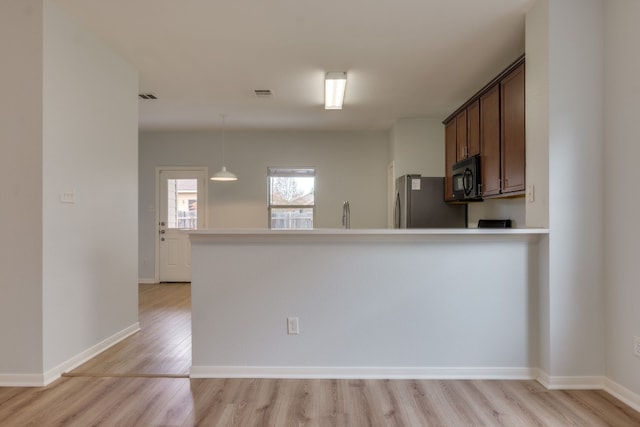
[(114, 390), (163, 345)]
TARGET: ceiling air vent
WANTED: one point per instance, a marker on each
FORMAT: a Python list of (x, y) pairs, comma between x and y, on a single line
[(147, 96), (263, 93)]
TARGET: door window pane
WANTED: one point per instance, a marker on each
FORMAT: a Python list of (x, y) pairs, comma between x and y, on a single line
[(182, 203)]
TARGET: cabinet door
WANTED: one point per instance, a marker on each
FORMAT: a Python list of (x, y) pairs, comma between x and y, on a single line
[(473, 129), (513, 131), (450, 139), (461, 135), (490, 141)]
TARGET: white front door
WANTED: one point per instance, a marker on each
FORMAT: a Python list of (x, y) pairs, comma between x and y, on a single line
[(182, 207)]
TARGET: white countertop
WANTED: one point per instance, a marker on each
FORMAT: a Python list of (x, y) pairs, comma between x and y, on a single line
[(356, 234)]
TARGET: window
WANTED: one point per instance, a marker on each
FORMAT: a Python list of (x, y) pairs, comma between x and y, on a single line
[(182, 203), (291, 197)]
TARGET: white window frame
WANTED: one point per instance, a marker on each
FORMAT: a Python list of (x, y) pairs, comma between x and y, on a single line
[(290, 172)]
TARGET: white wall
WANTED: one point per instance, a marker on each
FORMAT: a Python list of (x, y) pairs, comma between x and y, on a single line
[(69, 122), (537, 113), (537, 154), (572, 291), (576, 217), (372, 304), (417, 146), (349, 166), (622, 86), (21, 187), (512, 209), (90, 146)]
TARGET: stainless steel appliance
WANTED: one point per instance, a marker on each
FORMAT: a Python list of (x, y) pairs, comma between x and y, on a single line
[(466, 179), (419, 203)]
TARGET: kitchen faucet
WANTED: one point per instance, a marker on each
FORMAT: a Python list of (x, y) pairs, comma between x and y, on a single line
[(346, 215)]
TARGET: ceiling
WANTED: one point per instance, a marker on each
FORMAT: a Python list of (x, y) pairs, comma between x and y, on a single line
[(403, 58)]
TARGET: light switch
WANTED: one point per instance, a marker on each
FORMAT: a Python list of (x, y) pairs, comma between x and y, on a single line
[(68, 196), (293, 326)]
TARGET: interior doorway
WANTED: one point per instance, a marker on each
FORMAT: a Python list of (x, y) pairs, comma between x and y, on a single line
[(181, 205)]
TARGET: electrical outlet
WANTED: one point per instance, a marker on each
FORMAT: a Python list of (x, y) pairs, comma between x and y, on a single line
[(636, 346), (293, 326)]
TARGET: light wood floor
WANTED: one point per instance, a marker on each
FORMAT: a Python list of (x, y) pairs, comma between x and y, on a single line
[(115, 389), (163, 345)]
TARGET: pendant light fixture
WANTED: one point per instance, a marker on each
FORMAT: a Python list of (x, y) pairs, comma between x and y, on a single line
[(223, 174)]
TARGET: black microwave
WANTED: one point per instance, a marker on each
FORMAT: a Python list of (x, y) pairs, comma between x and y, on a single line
[(466, 179)]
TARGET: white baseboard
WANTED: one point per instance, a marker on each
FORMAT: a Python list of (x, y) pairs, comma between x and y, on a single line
[(591, 383), (41, 380), (21, 380), (77, 360), (360, 372), (571, 383), (624, 394), (147, 281)]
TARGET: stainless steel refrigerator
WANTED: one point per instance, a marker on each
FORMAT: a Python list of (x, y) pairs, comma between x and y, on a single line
[(419, 203)]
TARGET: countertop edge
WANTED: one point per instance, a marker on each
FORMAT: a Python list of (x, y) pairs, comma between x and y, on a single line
[(365, 231), (363, 235)]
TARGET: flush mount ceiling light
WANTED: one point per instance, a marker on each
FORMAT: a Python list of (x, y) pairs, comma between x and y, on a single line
[(223, 174), (334, 87)]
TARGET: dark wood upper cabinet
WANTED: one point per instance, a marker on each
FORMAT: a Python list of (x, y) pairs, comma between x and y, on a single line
[(461, 135), (492, 124), (490, 140), (451, 141), (473, 129), (513, 131), (468, 132)]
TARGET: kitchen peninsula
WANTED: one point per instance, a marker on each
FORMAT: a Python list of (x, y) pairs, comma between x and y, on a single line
[(370, 303)]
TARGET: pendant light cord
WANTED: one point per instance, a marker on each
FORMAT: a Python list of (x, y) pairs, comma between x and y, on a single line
[(223, 154), (224, 174)]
